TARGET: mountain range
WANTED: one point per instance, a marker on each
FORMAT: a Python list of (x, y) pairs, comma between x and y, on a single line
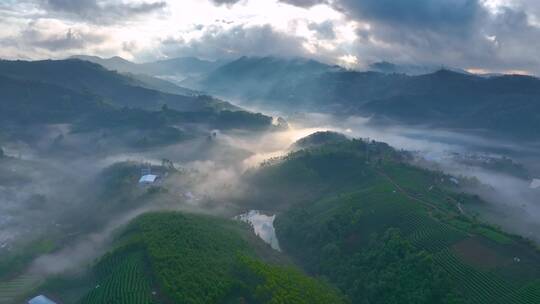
[(181, 67), (505, 106), (408, 69), (138, 111), (355, 220), (118, 89)]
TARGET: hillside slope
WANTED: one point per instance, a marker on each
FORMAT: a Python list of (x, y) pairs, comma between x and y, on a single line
[(384, 231), (181, 66), (506, 106), (117, 89), (25, 114), (182, 258)]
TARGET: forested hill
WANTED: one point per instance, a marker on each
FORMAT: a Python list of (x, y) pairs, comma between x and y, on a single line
[(117, 89), (45, 103), (181, 66), (385, 231), (183, 258), (503, 105), (259, 79), (356, 221), (96, 105)]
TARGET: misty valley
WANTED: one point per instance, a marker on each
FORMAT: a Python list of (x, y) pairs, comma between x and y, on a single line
[(266, 180)]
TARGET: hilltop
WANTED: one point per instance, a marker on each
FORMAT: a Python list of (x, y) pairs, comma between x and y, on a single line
[(358, 213)]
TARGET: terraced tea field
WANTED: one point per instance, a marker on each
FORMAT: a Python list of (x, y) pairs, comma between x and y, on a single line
[(123, 281), (16, 288)]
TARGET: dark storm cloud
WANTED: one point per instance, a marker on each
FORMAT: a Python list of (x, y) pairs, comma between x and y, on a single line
[(515, 42), (463, 33), (418, 13), (95, 11), (502, 41)]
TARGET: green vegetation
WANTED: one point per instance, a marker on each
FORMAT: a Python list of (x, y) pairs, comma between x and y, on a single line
[(10, 290), (119, 110), (354, 213), (269, 284), (443, 99), (319, 139), (181, 258), (384, 231), (13, 262), (310, 174), (123, 281), (478, 286), (337, 238)]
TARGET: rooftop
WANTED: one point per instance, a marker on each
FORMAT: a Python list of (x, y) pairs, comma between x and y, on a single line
[(148, 179), (41, 299)]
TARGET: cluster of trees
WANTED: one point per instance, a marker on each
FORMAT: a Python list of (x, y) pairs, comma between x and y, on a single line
[(387, 269), (505, 105), (320, 170), (201, 259), (348, 237), (391, 270), (104, 101), (375, 227), (270, 284)]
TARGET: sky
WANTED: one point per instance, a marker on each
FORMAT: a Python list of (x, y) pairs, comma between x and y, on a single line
[(481, 36)]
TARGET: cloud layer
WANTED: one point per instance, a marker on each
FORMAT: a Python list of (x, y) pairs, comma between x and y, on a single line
[(97, 11), (479, 35)]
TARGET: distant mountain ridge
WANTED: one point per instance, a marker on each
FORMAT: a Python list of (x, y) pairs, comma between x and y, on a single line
[(117, 89), (263, 78), (505, 106), (408, 69), (181, 66), (92, 100)]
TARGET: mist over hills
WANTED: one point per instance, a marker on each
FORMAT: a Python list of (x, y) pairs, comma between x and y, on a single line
[(505, 106), (181, 67), (90, 99), (269, 152), (118, 89), (408, 69), (413, 218)]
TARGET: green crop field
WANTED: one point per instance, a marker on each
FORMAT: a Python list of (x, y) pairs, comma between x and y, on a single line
[(179, 258), (483, 287), (528, 294), (122, 280), (339, 235), (378, 231), (14, 289)]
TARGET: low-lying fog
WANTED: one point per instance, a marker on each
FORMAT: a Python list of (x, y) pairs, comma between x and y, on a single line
[(36, 191), (512, 201)]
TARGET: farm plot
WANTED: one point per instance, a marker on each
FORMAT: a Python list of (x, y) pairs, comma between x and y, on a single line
[(483, 287), (11, 291), (124, 281)]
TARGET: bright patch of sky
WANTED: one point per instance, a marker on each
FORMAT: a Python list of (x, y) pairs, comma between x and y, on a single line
[(491, 35)]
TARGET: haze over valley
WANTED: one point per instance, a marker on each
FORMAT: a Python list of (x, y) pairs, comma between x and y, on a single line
[(274, 152)]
